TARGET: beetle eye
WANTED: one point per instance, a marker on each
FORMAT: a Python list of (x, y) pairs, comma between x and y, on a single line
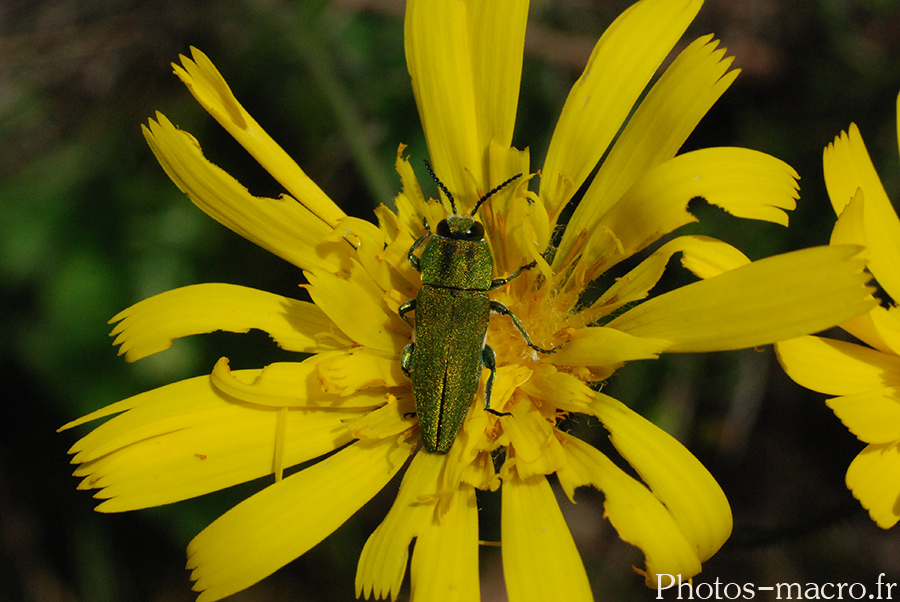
[(476, 232), (443, 229)]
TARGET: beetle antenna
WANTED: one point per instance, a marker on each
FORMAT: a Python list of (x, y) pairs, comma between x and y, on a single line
[(493, 192), (440, 185)]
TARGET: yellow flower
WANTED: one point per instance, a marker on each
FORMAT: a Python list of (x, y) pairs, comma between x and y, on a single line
[(350, 406), (866, 378)]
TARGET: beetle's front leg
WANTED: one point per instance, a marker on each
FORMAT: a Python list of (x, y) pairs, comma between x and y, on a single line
[(413, 258), (489, 359), (501, 309)]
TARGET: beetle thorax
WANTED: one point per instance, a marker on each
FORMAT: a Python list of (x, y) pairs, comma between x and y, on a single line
[(458, 256)]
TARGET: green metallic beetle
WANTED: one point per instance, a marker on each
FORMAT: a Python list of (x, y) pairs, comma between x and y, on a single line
[(453, 309)]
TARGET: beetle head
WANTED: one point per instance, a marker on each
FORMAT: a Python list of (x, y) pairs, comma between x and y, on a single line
[(460, 227)]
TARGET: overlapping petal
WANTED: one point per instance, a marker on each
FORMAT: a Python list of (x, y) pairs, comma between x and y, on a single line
[(880, 327), (282, 226), (291, 384), (743, 182), (873, 416), (692, 496), (232, 444), (592, 116), (658, 128), (678, 516), (284, 520), (497, 40), (600, 346), (866, 378), (535, 535), (872, 477), (705, 257), (209, 88), (151, 325), (359, 313), (445, 559), (639, 517), (383, 561), (769, 300), (848, 167), (465, 62), (190, 438), (837, 367)]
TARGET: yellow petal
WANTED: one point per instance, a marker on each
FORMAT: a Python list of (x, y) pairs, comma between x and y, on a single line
[(410, 202), (850, 228), (675, 476), (639, 517), (518, 228), (704, 256), (623, 61), (496, 32), (289, 384), (357, 310), (879, 328), (872, 477), (281, 226), (445, 559), (741, 181), (209, 88), (465, 61), (776, 298), (561, 389), (837, 367), (531, 436), (382, 563), (847, 168), (393, 418), (540, 561), (151, 325), (232, 444), (601, 346), (182, 404), (439, 56), (886, 322), (660, 125), (347, 372), (873, 416), (369, 242), (284, 520), (165, 409)]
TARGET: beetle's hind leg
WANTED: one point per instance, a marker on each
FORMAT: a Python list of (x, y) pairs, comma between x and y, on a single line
[(489, 359), (501, 309), (499, 282), (406, 360)]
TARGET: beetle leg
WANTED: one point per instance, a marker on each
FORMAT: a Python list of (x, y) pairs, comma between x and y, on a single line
[(413, 258), (406, 360), (501, 309), (405, 309), (489, 359), (498, 282)]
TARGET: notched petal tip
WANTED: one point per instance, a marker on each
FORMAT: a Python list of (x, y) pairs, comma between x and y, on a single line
[(209, 87)]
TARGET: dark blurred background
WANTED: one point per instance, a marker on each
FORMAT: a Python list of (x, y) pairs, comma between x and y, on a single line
[(90, 224)]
